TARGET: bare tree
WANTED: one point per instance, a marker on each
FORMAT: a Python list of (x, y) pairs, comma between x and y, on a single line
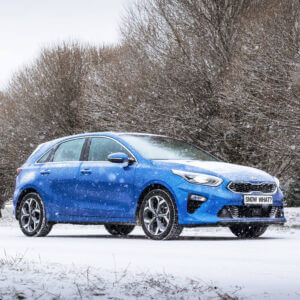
[(40, 103), (261, 91)]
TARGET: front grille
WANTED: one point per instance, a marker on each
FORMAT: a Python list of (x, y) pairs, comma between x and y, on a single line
[(247, 187), (236, 212)]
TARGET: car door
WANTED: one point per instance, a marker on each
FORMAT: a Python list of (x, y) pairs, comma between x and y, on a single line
[(106, 189), (59, 177)]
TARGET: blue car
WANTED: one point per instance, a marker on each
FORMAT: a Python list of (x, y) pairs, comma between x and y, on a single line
[(126, 179)]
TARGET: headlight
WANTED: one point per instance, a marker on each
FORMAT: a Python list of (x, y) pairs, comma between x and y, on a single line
[(198, 178), (277, 181)]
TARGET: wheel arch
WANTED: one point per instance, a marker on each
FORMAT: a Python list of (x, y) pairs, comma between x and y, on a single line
[(146, 190), (21, 196)]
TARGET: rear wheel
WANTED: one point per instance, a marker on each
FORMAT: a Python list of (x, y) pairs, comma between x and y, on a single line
[(32, 216), (119, 229), (244, 231), (158, 216)]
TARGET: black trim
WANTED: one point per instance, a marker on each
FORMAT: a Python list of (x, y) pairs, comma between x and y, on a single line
[(52, 153), (267, 188), (229, 223), (193, 205), (94, 223), (226, 223), (85, 149), (250, 211)]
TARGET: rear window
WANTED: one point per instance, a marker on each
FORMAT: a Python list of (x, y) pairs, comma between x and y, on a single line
[(69, 151), (36, 150), (45, 157)]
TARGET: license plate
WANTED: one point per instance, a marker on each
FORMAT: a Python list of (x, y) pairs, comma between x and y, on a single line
[(257, 200)]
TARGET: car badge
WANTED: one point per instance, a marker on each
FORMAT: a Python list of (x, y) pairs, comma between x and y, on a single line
[(253, 178)]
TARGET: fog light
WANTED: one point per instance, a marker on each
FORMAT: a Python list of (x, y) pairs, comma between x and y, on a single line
[(197, 198), (194, 202)]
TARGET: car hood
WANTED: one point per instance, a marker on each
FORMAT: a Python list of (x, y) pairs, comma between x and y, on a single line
[(227, 171)]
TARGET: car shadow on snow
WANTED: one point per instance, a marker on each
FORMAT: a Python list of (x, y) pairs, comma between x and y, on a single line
[(141, 237)]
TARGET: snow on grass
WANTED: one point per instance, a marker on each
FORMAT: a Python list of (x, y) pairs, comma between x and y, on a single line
[(7, 215), (293, 217), (20, 279)]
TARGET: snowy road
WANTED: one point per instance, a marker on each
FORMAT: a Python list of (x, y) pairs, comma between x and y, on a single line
[(268, 267)]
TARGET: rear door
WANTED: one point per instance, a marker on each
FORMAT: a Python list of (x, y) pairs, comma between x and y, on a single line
[(59, 177), (106, 189)]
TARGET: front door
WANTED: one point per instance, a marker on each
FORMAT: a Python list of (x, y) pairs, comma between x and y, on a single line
[(106, 189)]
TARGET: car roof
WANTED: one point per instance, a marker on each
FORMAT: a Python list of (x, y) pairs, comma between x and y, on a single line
[(115, 133), (44, 147), (106, 133), (139, 133)]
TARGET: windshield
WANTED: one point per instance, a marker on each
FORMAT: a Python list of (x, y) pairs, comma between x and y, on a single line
[(165, 148)]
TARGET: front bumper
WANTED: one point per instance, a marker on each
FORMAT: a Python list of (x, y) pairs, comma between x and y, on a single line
[(217, 198)]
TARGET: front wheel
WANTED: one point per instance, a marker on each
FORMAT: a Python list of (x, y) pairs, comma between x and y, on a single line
[(244, 231), (32, 216), (119, 229), (158, 216)]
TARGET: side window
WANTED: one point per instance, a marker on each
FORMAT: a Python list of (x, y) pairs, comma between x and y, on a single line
[(100, 148), (45, 157), (69, 151)]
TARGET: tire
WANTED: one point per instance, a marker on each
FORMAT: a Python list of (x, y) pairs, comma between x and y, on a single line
[(119, 229), (158, 216), (32, 216), (244, 231)]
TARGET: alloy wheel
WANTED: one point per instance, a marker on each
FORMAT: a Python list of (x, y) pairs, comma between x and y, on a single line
[(30, 215), (156, 215)]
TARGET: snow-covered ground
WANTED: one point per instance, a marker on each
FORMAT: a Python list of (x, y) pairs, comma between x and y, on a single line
[(84, 262)]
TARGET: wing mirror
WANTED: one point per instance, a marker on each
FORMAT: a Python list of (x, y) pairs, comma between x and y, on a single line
[(120, 158)]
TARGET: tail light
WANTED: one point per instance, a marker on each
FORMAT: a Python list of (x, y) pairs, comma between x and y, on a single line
[(19, 171)]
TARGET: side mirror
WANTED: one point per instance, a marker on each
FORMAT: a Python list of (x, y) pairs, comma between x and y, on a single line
[(120, 158)]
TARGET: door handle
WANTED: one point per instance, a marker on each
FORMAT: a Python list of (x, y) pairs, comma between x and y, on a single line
[(86, 171), (45, 172)]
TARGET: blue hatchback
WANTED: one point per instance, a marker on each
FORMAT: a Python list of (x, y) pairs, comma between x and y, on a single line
[(127, 179)]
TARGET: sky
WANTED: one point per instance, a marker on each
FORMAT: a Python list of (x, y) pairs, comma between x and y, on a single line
[(26, 26)]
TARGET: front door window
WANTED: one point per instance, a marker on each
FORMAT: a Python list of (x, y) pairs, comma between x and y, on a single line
[(100, 148)]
